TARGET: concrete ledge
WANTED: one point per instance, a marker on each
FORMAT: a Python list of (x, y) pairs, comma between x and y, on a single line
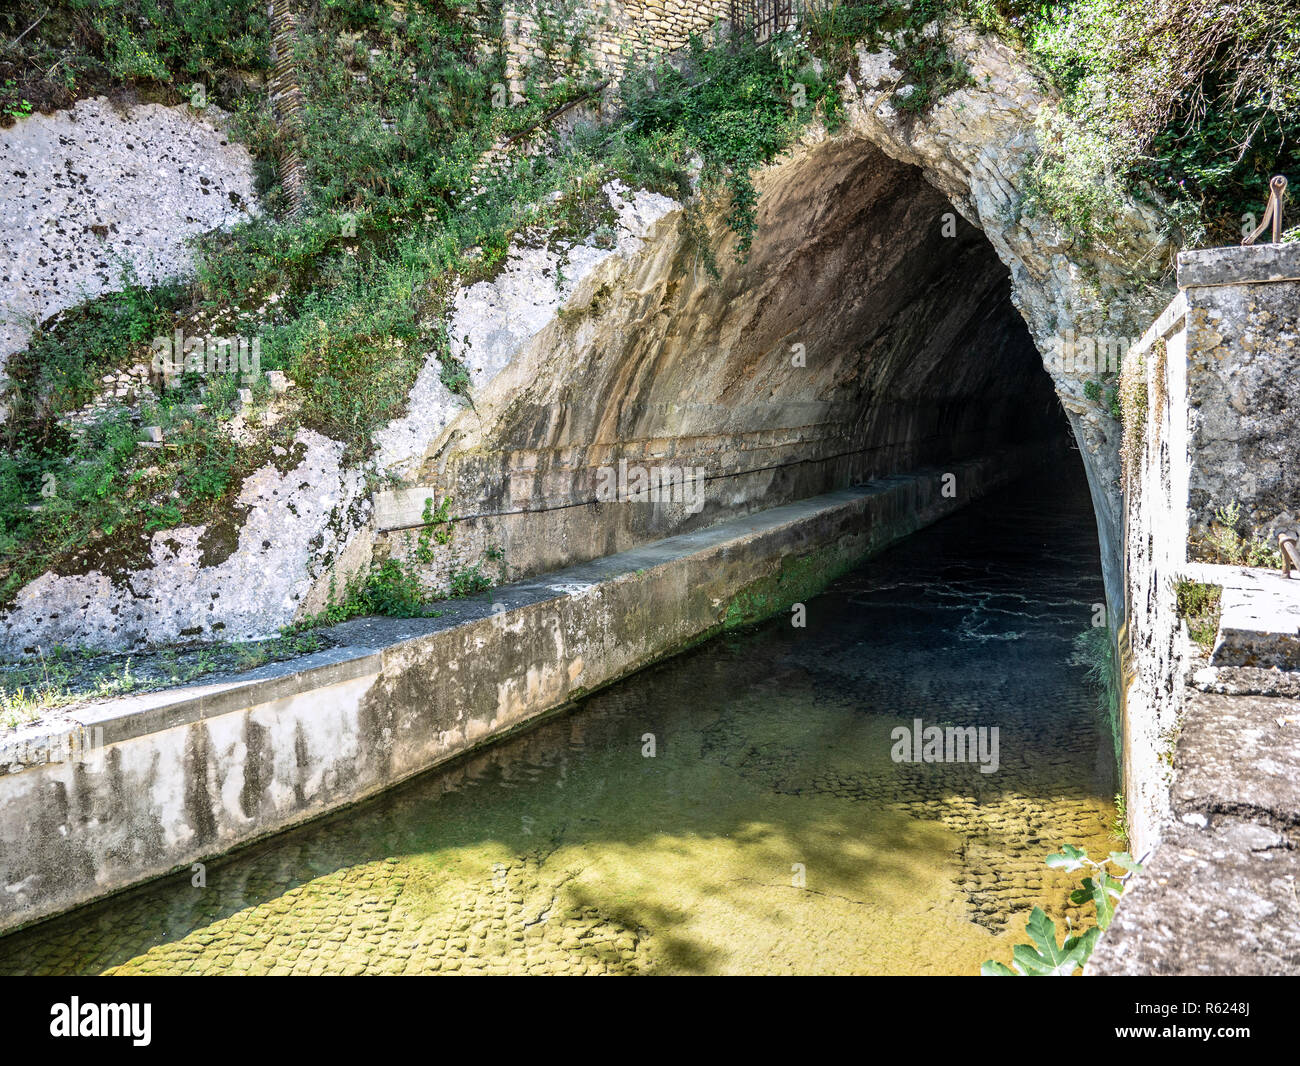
[(1216, 902), (1239, 265), (187, 775), (1215, 776), (1259, 616), (1170, 320), (1219, 894)]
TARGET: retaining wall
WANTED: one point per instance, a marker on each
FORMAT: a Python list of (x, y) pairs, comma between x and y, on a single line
[(164, 780)]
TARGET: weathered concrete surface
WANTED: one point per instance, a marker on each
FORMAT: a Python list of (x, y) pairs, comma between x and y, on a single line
[(190, 774), (1219, 895), (1211, 777), (87, 190), (1238, 265)]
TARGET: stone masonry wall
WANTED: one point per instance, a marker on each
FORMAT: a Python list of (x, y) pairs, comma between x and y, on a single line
[(614, 34), (1209, 770), (1242, 321), (1215, 430)]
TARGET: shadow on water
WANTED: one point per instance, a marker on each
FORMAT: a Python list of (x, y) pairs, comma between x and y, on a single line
[(771, 831)]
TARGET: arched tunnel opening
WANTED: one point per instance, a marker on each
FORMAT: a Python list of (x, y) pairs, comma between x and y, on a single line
[(870, 332)]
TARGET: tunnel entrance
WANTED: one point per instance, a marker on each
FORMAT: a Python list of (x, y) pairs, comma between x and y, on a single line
[(917, 353), (869, 332)]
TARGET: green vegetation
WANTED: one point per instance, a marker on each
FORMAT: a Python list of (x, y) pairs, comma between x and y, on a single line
[(66, 487), (1095, 651), (438, 528), (1120, 826), (1107, 398), (408, 194), (1045, 956), (1198, 606), (389, 587), (77, 48), (1223, 544), (469, 580), (62, 676), (1197, 100)]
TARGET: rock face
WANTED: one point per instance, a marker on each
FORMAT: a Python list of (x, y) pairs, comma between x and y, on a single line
[(492, 320), (207, 582), (896, 312), (863, 336), (86, 191)]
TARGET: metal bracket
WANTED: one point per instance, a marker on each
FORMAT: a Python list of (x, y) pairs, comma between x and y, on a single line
[(1290, 557), (1272, 212)]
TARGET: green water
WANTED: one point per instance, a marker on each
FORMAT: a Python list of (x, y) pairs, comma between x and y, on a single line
[(769, 832)]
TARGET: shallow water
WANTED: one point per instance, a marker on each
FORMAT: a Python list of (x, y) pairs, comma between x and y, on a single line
[(770, 832)]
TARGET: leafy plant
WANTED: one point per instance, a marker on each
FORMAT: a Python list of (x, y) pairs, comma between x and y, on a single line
[(437, 528), (1198, 99), (468, 580), (1224, 544), (1198, 605), (1045, 956)]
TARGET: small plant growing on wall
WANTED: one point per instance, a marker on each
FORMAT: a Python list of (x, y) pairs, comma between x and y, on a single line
[(1223, 544), (1108, 399), (437, 529), (1044, 956), (1198, 606)]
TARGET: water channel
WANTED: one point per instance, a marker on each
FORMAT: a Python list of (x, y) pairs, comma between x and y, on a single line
[(736, 809)]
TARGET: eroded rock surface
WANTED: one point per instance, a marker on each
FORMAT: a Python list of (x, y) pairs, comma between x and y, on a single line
[(86, 191), (921, 334), (207, 582)]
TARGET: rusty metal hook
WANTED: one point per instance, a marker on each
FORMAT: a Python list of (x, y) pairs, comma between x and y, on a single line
[(1290, 557), (1272, 212)]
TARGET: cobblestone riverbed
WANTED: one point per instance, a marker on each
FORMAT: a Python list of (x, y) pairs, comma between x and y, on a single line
[(735, 809)]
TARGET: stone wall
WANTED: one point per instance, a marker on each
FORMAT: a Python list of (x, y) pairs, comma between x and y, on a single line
[(1241, 316), (1153, 645), (550, 35), (1209, 766), (1214, 429)]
